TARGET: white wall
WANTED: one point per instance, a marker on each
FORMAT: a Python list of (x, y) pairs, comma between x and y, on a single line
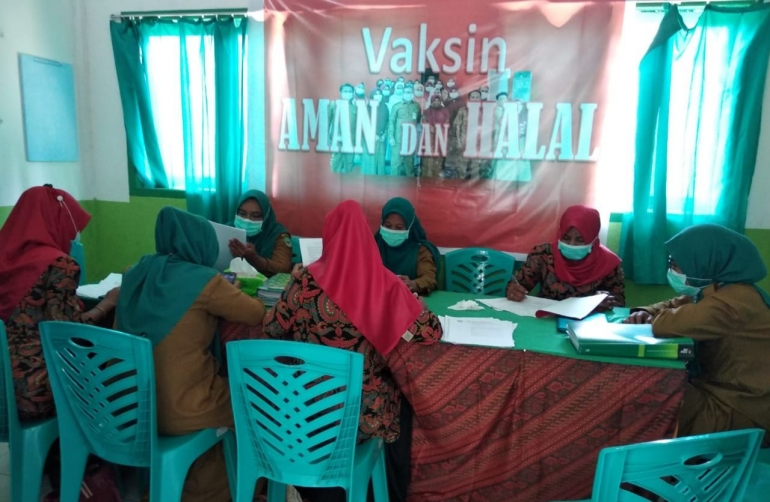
[(47, 29)]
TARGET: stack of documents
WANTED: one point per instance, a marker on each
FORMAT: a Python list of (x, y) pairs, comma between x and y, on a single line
[(99, 290), (626, 340), (271, 290), (532, 306), (484, 331)]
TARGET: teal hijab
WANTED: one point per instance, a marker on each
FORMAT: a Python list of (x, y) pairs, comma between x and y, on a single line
[(402, 260), (159, 290), (264, 241), (717, 254)]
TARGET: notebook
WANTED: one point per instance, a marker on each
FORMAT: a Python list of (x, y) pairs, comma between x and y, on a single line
[(626, 340)]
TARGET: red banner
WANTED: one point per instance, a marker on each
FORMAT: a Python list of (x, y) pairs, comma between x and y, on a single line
[(510, 140)]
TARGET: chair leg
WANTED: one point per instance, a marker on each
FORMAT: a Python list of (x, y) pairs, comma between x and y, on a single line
[(380, 479), (231, 462), (276, 492), (26, 474), (244, 487), (167, 480), (73, 468)]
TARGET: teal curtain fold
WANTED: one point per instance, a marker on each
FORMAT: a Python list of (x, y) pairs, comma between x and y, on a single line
[(211, 62), (134, 84), (698, 118)]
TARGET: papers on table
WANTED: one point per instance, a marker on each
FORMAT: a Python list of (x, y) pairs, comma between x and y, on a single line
[(99, 290), (528, 307), (574, 308), (483, 331), (224, 234), (311, 250)]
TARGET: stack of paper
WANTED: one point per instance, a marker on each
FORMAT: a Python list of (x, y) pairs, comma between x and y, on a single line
[(484, 331), (532, 306), (224, 234), (310, 250), (271, 290), (99, 290)]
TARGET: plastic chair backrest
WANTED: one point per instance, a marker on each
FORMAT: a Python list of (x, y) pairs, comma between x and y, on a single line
[(103, 383), (296, 407), (296, 254), (711, 467), (9, 417), (478, 270)]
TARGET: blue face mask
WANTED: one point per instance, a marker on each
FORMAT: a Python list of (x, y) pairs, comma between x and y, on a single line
[(574, 253), (678, 281), (393, 238), (252, 228)]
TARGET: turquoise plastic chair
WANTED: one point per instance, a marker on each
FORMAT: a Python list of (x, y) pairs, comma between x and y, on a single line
[(707, 468), (296, 408), (296, 254), (759, 484), (28, 442), (103, 383), (478, 271)]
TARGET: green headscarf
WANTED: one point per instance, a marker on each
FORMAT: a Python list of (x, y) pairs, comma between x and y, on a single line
[(402, 260), (159, 290), (718, 254), (264, 241)]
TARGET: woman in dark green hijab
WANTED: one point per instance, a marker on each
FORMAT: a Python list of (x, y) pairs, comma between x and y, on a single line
[(716, 270), (176, 300), (268, 247), (405, 249)]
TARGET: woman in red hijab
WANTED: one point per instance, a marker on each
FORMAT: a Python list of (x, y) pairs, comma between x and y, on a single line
[(38, 280), (349, 300), (574, 264)]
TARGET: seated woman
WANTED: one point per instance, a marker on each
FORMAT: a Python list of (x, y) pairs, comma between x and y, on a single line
[(348, 299), (721, 307), (575, 264), (38, 282), (405, 249), (175, 299), (269, 245)]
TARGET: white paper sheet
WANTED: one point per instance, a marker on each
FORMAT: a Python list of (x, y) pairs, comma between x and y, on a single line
[(99, 290), (484, 331), (224, 234), (311, 250), (575, 308), (528, 307)]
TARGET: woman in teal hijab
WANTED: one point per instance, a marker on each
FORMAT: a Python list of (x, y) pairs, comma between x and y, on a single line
[(176, 300), (405, 249), (268, 247), (716, 271)]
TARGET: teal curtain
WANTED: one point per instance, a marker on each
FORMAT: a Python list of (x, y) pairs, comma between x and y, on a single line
[(212, 55), (698, 118)]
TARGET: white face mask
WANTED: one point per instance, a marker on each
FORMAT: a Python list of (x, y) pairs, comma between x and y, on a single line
[(454, 94), (347, 95)]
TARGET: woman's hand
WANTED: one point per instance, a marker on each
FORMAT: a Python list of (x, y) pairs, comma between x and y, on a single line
[(297, 270), (515, 292), (241, 250), (608, 303), (111, 298), (409, 283), (639, 317)]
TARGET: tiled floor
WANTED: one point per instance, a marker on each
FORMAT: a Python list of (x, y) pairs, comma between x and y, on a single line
[(130, 479)]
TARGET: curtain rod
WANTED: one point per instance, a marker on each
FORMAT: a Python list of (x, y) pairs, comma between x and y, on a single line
[(179, 13)]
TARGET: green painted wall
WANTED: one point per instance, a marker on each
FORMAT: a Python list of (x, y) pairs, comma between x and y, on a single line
[(122, 232)]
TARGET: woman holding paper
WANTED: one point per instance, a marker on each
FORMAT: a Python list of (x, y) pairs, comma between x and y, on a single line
[(716, 270), (575, 264), (404, 247), (38, 282), (268, 247), (349, 300), (176, 300)]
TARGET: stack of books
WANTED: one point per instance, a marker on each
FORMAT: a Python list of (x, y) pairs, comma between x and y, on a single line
[(271, 290), (626, 340)]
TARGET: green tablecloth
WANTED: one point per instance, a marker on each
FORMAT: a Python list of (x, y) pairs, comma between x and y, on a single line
[(537, 335)]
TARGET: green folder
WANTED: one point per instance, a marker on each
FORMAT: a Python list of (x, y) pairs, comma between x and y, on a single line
[(626, 340)]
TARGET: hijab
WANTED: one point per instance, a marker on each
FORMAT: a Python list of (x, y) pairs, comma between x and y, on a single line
[(38, 231), (159, 290), (599, 262), (264, 241), (351, 272), (402, 260), (716, 253)]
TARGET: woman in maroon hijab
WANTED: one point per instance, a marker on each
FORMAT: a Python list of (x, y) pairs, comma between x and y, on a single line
[(574, 264), (38, 280)]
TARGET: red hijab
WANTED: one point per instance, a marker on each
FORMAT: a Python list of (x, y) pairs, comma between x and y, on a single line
[(351, 272), (599, 262), (38, 231)]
